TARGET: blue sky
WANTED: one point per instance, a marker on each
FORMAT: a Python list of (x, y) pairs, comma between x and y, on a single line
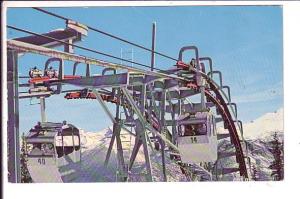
[(245, 43)]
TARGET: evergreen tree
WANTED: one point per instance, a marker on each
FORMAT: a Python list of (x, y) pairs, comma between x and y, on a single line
[(277, 166), (25, 176)]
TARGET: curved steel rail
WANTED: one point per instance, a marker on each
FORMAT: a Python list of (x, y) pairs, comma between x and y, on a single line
[(227, 117)]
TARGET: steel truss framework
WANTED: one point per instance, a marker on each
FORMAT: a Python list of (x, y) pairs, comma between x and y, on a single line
[(143, 96)]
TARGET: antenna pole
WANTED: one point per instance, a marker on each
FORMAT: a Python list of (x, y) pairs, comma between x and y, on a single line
[(153, 45)]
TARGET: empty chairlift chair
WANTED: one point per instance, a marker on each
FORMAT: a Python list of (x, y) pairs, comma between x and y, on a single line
[(197, 139), (50, 146)]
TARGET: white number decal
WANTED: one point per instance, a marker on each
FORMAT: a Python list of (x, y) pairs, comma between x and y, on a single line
[(41, 161), (194, 139)]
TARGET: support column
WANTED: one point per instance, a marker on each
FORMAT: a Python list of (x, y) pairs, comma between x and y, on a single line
[(87, 71), (152, 106), (13, 117), (135, 151), (122, 168), (43, 109), (144, 137), (162, 129), (117, 132), (174, 130), (163, 145), (106, 110), (203, 104), (111, 144), (162, 110)]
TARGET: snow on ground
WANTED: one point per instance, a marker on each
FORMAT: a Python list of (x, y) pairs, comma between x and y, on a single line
[(259, 134), (92, 169)]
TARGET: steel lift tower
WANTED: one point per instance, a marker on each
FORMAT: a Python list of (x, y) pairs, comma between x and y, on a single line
[(155, 104)]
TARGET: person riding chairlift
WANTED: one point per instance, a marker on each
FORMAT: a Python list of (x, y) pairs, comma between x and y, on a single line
[(195, 129), (201, 129), (34, 132), (51, 72), (35, 72), (48, 148), (193, 65), (189, 130)]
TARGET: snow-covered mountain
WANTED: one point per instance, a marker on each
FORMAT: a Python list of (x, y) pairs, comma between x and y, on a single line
[(264, 125)]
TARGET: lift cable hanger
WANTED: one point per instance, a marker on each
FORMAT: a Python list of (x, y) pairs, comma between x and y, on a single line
[(108, 34)]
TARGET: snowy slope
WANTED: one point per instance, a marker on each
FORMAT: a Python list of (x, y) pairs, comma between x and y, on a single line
[(92, 169), (260, 152), (264, 125), (258, 134), (260, 156)]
